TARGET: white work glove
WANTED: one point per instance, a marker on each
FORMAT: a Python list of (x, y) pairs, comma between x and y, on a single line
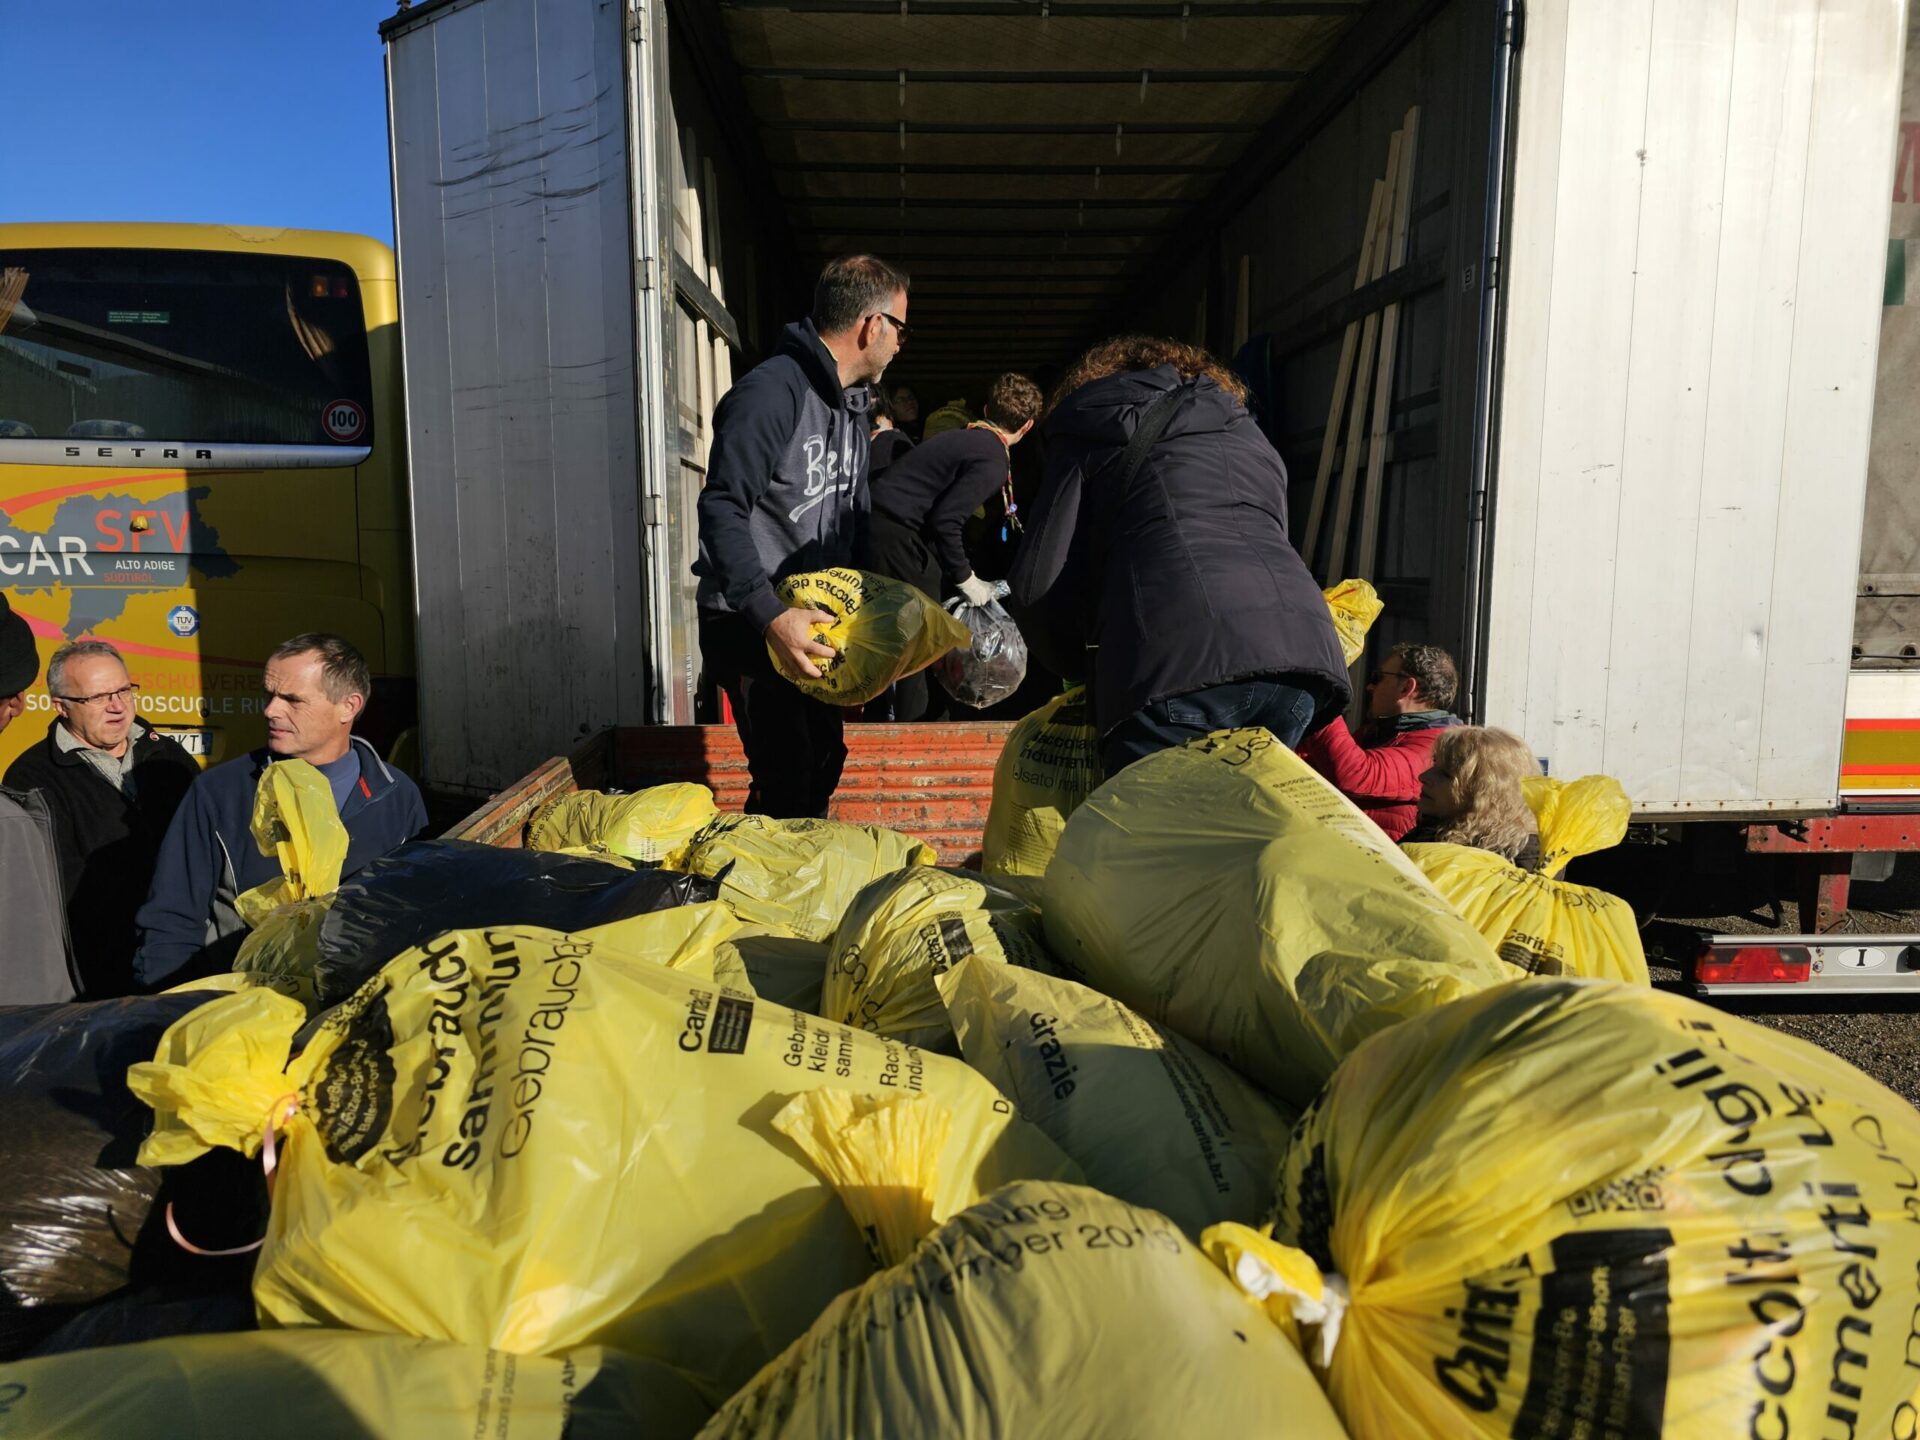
[(977, 591)]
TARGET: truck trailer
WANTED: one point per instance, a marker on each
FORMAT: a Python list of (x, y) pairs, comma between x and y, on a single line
[(1566, 316)]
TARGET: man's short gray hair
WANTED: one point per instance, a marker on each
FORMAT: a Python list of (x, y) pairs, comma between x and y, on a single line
[(67, 654), (343, 669)]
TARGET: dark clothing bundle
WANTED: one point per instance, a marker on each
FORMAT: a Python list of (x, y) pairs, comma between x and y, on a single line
[(108, 840), (1182, 578)]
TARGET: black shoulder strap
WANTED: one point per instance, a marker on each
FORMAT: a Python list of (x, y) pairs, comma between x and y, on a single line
[(1147, 432)]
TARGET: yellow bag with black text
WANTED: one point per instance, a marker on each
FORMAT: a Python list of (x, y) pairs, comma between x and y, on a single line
[(1543, 925), (903, 932), (1354, 606), (797, 875), (330, 1384), (528, 1140), (1226, 890), (1571, 1207), (1045, 1310), (1149, 1116), (1048, 766), (296, 821), (651, 826), (883, 630)]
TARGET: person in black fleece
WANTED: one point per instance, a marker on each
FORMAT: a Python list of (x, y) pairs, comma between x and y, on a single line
[(887, 442), (1178, 596), (921, 504), (786, 493)]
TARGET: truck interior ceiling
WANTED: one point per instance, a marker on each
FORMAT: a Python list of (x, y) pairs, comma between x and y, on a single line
[(1309, 190)]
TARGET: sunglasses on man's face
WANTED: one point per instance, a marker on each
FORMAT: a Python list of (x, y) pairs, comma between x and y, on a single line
[(899, 325), (1379, 675)]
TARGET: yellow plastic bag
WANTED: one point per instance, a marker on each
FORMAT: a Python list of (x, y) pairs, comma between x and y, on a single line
[(1228, 891), (652, 826), (883, 631), (1355, 607), (296, 822), (797, 875), (527, 1140), (906, 930), (1050, 763), (1575, 1207), (1150, 1117), (1042, 1311), (330, 1384), (1576, 817), (1542, 926)]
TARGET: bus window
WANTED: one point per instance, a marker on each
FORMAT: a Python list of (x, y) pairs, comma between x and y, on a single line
[(180, 347)]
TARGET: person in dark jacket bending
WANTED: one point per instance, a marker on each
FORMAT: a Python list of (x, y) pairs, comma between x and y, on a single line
[(317, 685), (112, 783), (786, 493), (1182, 583), (921, 504)]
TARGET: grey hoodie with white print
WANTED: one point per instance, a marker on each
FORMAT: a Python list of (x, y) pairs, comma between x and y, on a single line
[(786, 487)]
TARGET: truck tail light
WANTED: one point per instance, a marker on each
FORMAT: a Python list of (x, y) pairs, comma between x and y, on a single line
[(1753, 964)]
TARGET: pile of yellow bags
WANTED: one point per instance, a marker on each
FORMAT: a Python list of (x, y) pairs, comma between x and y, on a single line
[(1150, 1117), (883, 630), (1043, 1310), (1226, 890), (531, 1141), (651, 826), (797, 875), (1535, 922), (1577, 1207), (313, 1384), (906, 930)]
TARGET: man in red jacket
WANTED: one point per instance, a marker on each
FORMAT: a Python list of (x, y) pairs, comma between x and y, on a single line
[(1409, 702)]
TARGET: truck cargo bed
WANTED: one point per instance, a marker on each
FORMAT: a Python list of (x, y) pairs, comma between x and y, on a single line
[(934, 782)]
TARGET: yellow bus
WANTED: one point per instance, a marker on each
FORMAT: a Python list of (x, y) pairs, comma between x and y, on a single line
[(202, 452)]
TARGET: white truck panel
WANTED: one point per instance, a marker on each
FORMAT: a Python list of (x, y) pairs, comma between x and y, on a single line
[(1700, 202)]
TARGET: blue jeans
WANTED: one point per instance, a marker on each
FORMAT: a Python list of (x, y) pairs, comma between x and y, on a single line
[(1274, 703)]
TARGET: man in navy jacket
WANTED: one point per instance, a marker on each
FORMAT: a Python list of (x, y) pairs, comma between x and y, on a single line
[(786, 493), (317, 685)]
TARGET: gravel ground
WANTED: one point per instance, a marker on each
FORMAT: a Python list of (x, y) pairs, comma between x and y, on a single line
[(1682, 894)]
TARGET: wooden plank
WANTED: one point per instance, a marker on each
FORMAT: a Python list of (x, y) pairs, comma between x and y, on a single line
[(1343, 377), (1669, 375), (1856, 100), (1357, 417), (1389, 343)]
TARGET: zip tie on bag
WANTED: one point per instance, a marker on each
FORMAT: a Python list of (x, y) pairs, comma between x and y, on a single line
[(278, 1114)]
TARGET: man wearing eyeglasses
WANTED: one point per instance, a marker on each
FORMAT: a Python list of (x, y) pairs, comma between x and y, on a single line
[(786, 493), (112, 783), (1409, 702)]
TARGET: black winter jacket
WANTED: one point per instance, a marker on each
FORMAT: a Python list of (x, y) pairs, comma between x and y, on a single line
[(786, 487), (107, 844), (1186, 580)]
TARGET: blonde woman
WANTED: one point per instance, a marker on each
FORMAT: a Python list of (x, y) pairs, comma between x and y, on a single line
[(1471, 795)]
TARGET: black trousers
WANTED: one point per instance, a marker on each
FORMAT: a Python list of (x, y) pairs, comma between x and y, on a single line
[(795, 744), (899, 553)]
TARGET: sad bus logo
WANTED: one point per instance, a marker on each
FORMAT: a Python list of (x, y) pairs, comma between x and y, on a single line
[(343, 420)]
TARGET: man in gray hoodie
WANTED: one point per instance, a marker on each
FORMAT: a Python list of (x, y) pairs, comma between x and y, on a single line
[(786, 493)]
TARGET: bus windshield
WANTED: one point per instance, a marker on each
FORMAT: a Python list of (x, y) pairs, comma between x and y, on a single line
[(180, 345)]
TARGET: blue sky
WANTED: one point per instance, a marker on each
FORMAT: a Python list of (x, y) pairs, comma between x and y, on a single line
[(239, 112)]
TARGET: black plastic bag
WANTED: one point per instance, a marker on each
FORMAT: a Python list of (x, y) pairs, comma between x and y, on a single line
[(74, 1201), (431, 886), (992, 667)]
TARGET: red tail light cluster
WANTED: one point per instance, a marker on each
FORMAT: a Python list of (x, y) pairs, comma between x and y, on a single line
[(1753, 964)]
